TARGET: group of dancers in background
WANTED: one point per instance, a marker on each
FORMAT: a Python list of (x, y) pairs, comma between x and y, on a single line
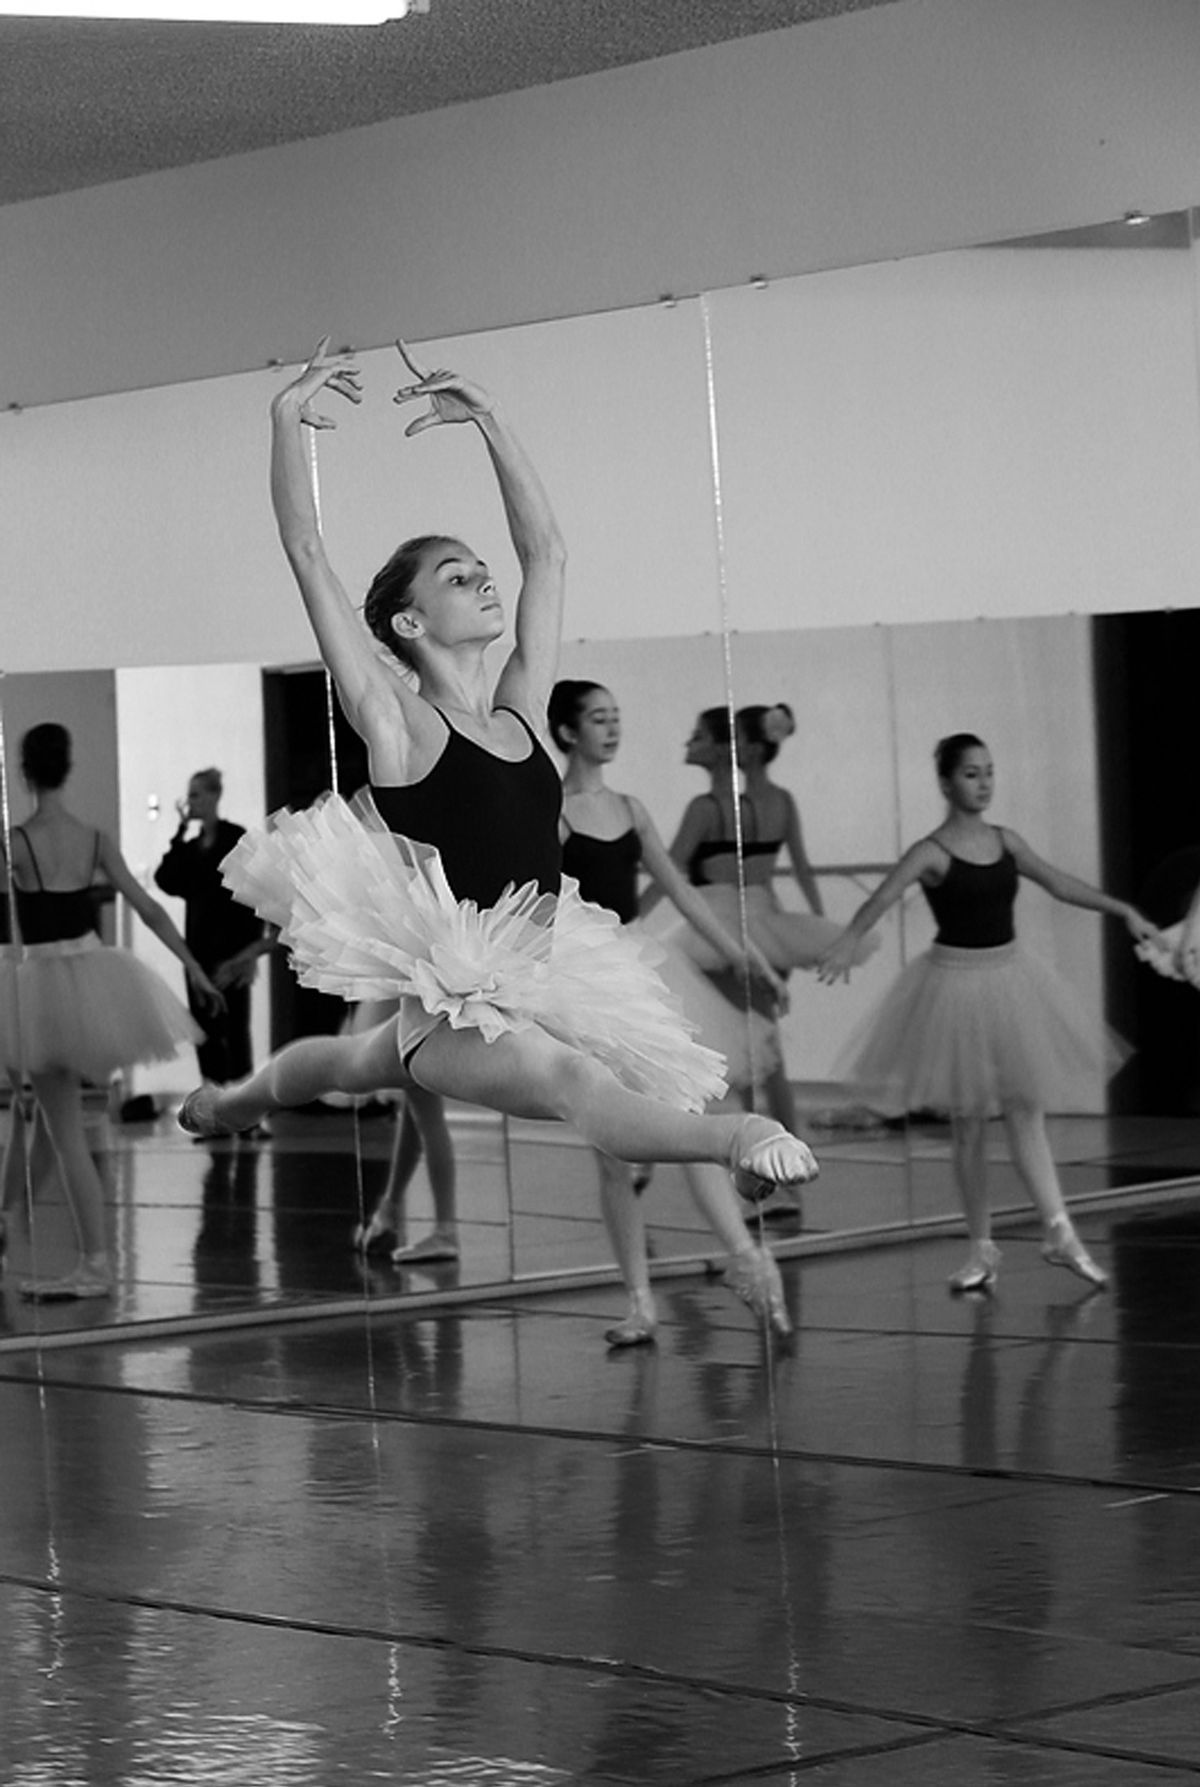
[(481, 908)]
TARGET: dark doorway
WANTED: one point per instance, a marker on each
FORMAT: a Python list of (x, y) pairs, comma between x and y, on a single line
[(297, 717), (1148, 741)]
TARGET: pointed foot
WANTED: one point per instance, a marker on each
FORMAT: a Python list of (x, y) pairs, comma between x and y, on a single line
[(978, 1272), (765, 1156), (754, 1277), (197, 1115), (1064, 1248), (432, 1250)]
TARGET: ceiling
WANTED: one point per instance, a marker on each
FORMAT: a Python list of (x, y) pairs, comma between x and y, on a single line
[(83, 102)]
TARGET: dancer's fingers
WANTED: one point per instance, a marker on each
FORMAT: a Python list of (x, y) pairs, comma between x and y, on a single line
[(406, 356)]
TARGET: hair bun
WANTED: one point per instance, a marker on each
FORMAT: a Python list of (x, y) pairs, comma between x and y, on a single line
[(778, 723)]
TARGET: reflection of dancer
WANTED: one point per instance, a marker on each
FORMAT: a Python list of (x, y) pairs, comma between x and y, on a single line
[(421, 1132), (444, 892), (607, 838), (224, 936), (974, 1027), (736, 884), (73, 1009)]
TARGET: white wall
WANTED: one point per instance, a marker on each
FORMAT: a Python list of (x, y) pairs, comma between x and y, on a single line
[(998, 432), (921, 125)]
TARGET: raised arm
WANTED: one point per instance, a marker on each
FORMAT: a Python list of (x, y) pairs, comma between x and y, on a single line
[(664, 872), (370, 695), (155, 918), (1074, 892), (793, 837), (839, 958), (529, 674)]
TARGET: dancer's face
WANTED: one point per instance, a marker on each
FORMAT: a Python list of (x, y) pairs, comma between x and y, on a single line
[(597, 727), (969, 787), (455, 597), (702, 749)]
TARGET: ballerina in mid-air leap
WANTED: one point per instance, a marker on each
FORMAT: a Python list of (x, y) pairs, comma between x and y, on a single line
[(442, 886)]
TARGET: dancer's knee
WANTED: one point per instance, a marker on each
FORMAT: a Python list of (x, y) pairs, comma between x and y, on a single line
[(572, 1082)]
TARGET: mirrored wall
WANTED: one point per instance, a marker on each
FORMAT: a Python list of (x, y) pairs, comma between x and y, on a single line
[(953, 493)]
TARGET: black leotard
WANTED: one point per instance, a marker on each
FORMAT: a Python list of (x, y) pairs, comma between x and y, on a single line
[(973, 904), (606, 870), (727, 847), (494, 822), (47, 916)]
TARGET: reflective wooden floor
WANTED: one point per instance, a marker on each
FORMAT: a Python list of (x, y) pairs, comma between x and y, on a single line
[(927, 1540)]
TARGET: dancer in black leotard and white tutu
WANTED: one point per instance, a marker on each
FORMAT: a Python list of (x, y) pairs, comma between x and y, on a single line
[(72, 1009), (607, 839), (443, 887), (975, 1027)]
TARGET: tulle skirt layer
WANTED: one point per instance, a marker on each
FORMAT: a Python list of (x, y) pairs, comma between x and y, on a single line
[(787, 939), (369, 915), (978, 1031), (747, 1040), (82, 1007)]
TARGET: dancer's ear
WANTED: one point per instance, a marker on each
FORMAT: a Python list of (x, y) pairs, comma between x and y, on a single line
[(407, 625)]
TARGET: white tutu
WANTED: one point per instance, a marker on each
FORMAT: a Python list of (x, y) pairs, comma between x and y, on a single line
[(80, 1006), (787, 939), (366, 914), (977, 1031), (747, 1041)]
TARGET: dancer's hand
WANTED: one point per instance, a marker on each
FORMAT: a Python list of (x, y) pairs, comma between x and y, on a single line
[(207, 993), (1140, 927), (325, 371), (237, 971), (761, 970), (1187, 957), (451, 398), (836, 962)]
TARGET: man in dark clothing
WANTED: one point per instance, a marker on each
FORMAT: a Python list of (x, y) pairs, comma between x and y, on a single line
[(226, 937)]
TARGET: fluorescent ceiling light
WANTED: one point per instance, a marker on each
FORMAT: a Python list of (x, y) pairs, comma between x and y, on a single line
[(224, 12)]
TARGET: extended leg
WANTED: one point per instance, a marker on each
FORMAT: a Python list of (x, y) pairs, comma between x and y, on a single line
[(529, 1074), (1034, 1162), (298, 1074)]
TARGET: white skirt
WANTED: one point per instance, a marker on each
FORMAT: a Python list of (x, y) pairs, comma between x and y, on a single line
[(787, 939), (977, 1031), (367, 914), (81, 1007)]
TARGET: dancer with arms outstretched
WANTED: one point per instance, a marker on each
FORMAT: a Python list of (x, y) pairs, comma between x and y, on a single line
[(975, 1027)]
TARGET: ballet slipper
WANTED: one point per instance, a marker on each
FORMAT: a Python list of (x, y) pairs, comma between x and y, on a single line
[(1063, 1247), (197, 1115), (86, 1281), (764, 1156), (433, 1250), (980, 1270), (376, 1236), (753, 1276), (638, 1328)]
